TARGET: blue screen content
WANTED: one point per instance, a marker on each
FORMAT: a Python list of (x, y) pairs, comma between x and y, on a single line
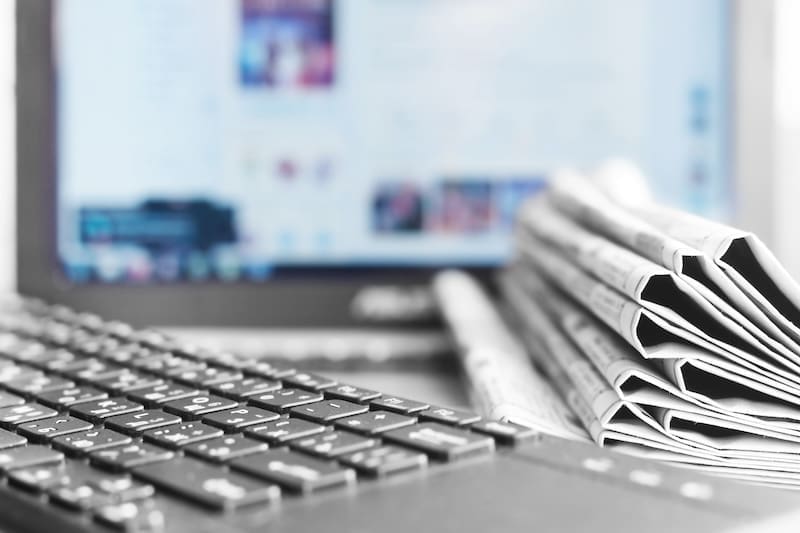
[(244, 140)]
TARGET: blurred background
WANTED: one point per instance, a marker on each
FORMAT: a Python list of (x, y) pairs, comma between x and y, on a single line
[(6, 143), (786, 174), (204, 153), (763, 198)]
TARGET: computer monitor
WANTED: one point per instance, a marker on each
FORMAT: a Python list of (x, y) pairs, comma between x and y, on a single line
[(256, 161)]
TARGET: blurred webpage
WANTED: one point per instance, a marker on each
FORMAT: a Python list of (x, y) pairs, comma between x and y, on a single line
[(230, 139)]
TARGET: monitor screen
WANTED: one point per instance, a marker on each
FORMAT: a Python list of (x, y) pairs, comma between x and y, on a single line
[(243, 141)]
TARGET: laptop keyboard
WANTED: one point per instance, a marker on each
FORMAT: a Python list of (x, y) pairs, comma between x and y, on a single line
[(99, 418)]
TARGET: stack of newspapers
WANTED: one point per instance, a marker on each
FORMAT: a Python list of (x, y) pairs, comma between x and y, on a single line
[(653, 332)]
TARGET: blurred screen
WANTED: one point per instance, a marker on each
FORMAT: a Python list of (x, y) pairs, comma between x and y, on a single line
[(252, 139)]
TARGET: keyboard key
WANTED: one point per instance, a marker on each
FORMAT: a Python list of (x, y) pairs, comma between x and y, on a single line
[(158, 394), (233, 420), (152, 339), (448, 416), (351, 393), (52, 359), (137, 516), (182, 434), (139, 422), (268, 370), (196, 406), (284, 430), (69, 397), (39, 478), (207, 484), (227, 359), (28, 456), (127, 381), (206, 377), (129, 456), (163, 363), (328, 410), (98, 410), (55, 360), (5, 362), (17, 348), (50, 428), (11, 417), (282, 400), (33, 384), (78, 364), (12, 372), (93, 369), (10, 440), (89, 441), (128, 353), (295, 471), (188, 366), (333, 443), (240, 389), (385, 460), (119, 488), (225, 448), (200, 354), (443, 442), (98, 489), (10, 400), (505, 432), (374, 422), (398, 405), (308, 381)]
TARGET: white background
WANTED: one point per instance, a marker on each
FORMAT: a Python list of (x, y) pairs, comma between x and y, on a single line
[(786, 216), (6, 145)]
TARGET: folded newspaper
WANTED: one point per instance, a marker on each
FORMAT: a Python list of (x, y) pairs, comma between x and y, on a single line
[(665, 335)]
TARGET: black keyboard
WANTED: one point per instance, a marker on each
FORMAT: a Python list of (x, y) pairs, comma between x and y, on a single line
[(97, 418)]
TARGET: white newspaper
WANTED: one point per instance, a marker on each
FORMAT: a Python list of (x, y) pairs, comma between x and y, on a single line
[(676, 242), (742, 256), (657, 289), (504, 383), (633, 378), (670, 336), (606, 416), (718, 383), (726, 434), (656, 338), (640, 384)]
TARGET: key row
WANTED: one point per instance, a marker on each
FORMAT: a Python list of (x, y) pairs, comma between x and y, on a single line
[(221, 380), (43, 424), (190, 403), (130, 417)]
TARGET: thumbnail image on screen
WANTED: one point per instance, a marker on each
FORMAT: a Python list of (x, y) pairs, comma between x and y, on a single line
[(287, 44)]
